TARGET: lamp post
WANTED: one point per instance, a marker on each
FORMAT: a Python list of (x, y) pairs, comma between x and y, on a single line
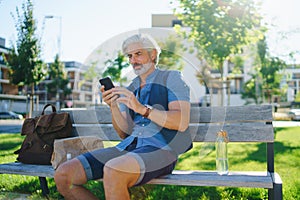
[(59, 51), (60, 30)]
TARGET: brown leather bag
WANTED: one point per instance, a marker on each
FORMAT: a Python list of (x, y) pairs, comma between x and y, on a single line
[(40, 132)]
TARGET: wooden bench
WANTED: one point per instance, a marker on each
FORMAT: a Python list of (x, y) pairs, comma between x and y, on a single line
[(242, 123)]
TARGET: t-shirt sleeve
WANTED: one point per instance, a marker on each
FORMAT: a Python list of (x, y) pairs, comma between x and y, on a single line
[(178, 90)]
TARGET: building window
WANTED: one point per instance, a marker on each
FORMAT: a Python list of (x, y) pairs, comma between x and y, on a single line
[(88, 98), (176, 22)]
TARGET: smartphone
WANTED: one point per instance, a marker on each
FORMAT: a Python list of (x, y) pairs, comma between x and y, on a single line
[(108, 84)]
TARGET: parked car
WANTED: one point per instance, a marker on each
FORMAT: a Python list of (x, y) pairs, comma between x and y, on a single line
[(294, 114), (10, 115)]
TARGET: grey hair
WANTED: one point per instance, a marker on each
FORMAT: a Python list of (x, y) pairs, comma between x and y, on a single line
[(147, 42)]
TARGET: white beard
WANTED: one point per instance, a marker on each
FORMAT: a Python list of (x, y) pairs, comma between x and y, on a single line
[(144, 68)]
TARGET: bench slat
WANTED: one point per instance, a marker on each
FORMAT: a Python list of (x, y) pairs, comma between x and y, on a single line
[(210, 178), (198, 114), (251, 132), (231, 114), (240, 132), (178, 177), (27, 169)]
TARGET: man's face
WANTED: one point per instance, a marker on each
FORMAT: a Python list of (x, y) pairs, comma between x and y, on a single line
[(140, 59)]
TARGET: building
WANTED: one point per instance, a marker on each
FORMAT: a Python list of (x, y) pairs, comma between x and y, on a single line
[(13, 98), (84, 91), (292, 79)]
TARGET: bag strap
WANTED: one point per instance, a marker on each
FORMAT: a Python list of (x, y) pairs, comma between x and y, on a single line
[(50, 116), (46, 106)]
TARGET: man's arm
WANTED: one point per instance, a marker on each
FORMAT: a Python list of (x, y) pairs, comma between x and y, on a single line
[(176, 118), (120, 120), (178, 115)]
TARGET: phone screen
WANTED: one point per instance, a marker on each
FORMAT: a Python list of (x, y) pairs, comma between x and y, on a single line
[(108, 84)]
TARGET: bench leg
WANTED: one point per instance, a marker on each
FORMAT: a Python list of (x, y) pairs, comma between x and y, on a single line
[(275, 193), (44, 186)]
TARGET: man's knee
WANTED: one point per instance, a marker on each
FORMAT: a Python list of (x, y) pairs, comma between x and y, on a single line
[(109, 174), (115, 174), (61, 178)]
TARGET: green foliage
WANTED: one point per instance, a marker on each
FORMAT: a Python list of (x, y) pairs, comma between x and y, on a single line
[(26, 67), (250, 90), (171, 53), (218, 28), (91, 72), (58, 78), (114, 68), (266, 78), (238, 62)]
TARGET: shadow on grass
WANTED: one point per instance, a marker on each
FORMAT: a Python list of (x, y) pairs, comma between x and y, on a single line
[(201, 154), (32, 186), (173, 192), (28, 186), (162, 192), (260, 154), (9, 145)]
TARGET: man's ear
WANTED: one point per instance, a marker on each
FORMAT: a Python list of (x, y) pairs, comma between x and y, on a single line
[(153, 54)]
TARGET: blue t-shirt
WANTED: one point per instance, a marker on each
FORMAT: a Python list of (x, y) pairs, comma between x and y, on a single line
[(147, 132)]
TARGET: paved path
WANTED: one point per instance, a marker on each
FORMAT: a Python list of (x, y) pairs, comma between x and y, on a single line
[(286, 123), (11, 126)]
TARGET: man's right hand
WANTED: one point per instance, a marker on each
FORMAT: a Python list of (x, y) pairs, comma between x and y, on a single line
[(108, 97)]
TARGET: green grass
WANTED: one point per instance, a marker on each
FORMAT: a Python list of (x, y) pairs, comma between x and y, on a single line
[(242, 156)]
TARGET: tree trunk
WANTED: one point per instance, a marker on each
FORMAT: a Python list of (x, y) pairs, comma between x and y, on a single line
[(31, 101)]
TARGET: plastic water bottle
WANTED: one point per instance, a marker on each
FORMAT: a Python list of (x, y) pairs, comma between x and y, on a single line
[(69, 156), (221, 153)]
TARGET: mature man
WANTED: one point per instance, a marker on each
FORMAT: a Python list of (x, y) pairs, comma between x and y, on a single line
[(150, 115)]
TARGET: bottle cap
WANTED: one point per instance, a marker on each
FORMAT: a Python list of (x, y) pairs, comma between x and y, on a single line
[(223, 134)]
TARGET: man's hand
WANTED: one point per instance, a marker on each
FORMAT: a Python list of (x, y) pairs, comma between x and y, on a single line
[(109, 97), (128, 98), (120, 121)]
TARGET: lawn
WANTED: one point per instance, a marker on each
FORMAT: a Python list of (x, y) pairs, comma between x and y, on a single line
[(202, 157)]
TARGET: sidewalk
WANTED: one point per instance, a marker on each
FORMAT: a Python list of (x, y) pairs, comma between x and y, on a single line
[(13, 196)]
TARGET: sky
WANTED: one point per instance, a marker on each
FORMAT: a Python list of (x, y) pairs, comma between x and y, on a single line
[(82, 26)]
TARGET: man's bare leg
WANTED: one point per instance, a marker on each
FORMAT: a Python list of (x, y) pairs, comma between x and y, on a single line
[(69, 178), (120, 174)]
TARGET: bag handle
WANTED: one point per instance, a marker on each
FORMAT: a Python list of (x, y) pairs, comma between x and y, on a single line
[(47, 105), (43, 112)]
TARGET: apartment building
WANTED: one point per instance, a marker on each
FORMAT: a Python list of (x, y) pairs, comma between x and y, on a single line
[(11, 97), (292, 79), (84, 91)]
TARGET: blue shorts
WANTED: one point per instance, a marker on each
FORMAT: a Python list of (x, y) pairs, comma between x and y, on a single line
[(154, 162)]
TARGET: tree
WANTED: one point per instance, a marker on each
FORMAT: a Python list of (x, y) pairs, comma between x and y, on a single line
[(265, 81), (25, 65), (114, 68), (217, 28), (171, 53), (59, 80)]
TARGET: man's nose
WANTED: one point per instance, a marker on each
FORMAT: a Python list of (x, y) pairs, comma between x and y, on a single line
[(132, 59)]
